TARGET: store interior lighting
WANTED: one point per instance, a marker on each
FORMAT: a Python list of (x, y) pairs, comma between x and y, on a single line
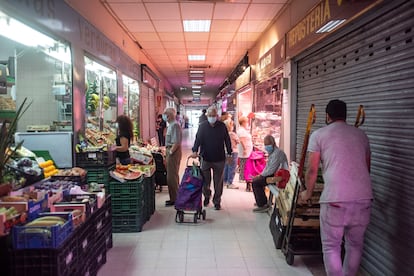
[(96, 67), (196, 25), (330, 26), (196, 57), (23, 34)]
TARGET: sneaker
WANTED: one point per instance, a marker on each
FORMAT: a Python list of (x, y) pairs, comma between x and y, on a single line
[(232, 186), (217, 206), (206, 201), (169, 203), (262, 209)]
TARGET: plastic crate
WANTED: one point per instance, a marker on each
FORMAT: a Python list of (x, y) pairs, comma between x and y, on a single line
[(46, 236), (126, 205), (98, 174), (95, 158), (34, 208), (126, 223), (129, 189), (62, 261), (85, 236)]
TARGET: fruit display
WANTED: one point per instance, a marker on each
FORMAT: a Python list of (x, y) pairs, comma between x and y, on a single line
[(93, 99)]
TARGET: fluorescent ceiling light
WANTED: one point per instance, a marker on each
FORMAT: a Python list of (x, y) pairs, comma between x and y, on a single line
[(196, 92), (196, 25), (196, 71), (23, 34), (330, 26), (196, 87), (196, 57), (197, 81)]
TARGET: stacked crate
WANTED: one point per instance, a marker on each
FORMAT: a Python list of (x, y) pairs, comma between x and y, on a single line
[(97, 164), (83, 253), (133, 203), (127, 205)]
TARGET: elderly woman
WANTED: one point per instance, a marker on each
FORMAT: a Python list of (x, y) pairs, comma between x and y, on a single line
[(173, 153), (276, 159)]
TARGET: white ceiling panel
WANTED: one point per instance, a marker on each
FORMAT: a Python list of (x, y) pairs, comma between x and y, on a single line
[(263, 11), (229, 11), (157, 26), (168, 25), (196, 11), (130, 11), (139, 26), (163, 11), (178, 37), (225, 26)]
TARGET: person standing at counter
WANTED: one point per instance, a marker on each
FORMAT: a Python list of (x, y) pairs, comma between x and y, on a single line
[(123, 139), (245, 148), (173, 153)]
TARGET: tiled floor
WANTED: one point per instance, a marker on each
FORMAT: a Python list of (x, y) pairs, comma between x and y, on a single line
[(232, 241)]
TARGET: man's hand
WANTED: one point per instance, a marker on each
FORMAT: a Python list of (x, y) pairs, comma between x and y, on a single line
[(304, 197), (229, 159), (194, 155)]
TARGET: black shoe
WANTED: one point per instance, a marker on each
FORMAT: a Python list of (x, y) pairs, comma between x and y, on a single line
[(169, 203), (217, 206), (206, 201)]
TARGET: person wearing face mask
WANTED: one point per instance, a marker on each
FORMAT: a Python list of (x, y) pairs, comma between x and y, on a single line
[(173, 153), (343, 152), (213, 140), (123, 139), (161, 128), (276, 159)]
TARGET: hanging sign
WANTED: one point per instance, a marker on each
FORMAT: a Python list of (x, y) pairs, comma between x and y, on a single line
[(316, 24)]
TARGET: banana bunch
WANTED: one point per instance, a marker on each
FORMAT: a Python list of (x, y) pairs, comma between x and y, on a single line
[(92, 97), (106, 102)]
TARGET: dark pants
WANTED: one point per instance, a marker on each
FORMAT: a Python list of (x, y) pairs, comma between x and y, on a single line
[(218, 169), (258, 185)]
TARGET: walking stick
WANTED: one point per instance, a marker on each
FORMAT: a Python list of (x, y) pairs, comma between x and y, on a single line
[(311, 121), (360, 116)]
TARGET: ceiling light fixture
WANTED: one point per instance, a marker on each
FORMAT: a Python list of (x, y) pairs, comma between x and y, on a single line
[(330, 26), (196, 87), (196, 71), (196, 57), (196, 25), (197, 81)]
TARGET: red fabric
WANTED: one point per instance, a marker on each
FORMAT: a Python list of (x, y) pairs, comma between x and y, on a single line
[(285, 174)]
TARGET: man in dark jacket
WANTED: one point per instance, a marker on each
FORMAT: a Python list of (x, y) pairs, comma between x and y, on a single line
[(211, 138)]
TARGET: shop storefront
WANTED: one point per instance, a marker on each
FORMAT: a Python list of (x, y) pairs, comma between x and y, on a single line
[(268, 95), (366, 62), (150, 83), (73, 75)]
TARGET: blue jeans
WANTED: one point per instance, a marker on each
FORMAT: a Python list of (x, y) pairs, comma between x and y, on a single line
[(230, 169), (349, 219)]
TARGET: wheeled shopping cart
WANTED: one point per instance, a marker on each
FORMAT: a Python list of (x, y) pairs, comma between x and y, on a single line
[(189, 195)]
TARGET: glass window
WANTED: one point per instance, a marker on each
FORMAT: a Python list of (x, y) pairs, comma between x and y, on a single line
[(131, 102), (101, 104), (38, 67)]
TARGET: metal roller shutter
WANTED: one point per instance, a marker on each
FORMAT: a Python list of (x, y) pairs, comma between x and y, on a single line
[(372, 63)]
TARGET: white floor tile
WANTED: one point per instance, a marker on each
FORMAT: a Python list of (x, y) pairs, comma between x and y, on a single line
[(231, 241)]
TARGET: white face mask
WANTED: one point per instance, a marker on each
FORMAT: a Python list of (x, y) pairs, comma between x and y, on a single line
[(212, 120)]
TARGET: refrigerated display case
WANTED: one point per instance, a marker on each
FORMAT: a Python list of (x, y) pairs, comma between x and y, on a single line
[(267, 111)]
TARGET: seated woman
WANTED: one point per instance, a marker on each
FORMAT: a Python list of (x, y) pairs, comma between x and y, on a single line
[(276, 159)]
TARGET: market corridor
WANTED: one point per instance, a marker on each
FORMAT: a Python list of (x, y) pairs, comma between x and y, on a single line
[(232, 241)]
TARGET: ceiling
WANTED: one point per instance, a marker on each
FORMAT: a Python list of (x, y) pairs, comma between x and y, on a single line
[(157, 26)]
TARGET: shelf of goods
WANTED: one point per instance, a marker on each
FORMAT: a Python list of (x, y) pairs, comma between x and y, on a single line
[(265, 123), (133, 203), (82, 252), (295, 228)]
